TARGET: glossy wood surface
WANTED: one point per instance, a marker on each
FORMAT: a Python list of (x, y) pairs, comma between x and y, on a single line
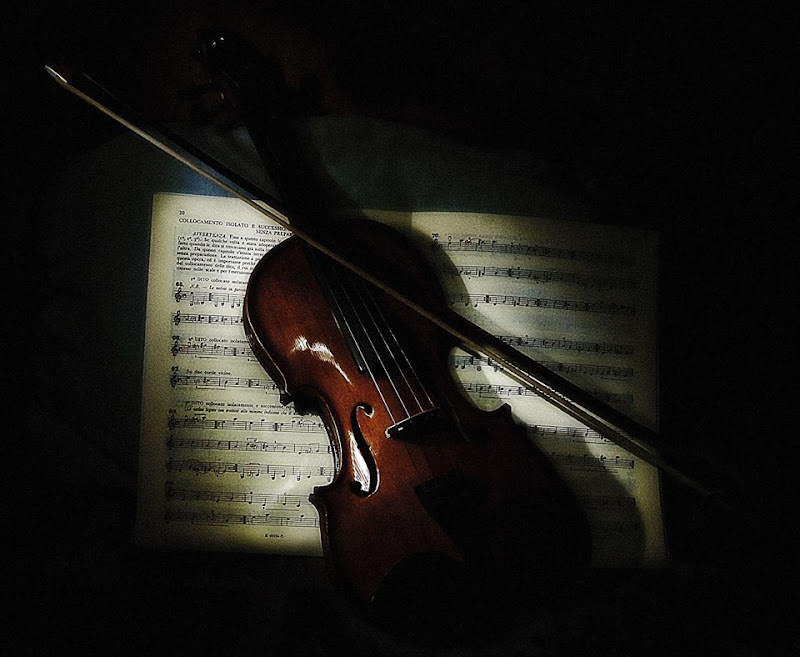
[(455, 491)]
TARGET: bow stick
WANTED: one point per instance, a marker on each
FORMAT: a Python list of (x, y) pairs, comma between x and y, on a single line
[(625, 432)]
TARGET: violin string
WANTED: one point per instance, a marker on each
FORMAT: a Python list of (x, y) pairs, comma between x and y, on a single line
[(436, 451), (398, 365), (347, 288), (326, 280), (404, 369), (343, 316), (424, 463), (437, 456)]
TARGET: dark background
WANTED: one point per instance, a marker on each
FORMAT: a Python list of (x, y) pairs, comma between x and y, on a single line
[(674, 119)]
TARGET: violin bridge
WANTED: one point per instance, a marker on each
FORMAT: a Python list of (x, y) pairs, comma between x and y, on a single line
[(430, 424)]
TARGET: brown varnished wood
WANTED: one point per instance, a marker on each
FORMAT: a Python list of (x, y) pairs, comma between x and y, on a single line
[(467, 487)]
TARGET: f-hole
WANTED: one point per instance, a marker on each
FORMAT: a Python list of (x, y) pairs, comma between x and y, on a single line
[(365, 471)]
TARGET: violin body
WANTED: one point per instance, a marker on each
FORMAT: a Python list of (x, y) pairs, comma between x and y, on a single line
[(428, 489)]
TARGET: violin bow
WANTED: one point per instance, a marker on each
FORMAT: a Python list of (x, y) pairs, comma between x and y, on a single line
[(637, 439)]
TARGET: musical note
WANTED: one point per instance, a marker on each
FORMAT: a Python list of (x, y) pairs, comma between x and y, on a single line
[(204, 349), (267, 519), (592, 282), (499, 391), (200, 421), (250, 469), (570, 434), (603, 371), (563, 343), (589, 462), (201, 296), (478, 245), (221, 381), (200, 348), (265, 500), (248, 446), (201, 318), (604, 307)]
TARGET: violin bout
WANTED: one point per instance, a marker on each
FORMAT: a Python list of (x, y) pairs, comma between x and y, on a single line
[(432, 497)]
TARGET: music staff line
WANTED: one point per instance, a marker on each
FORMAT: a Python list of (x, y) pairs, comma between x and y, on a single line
[(179, 318), (218, 382), (591, 462), (247, 446), (224, 519), (232, 300), (201, 297), (577, 435), (599, 307), (571, 434), (283, 500), (200, 421), (583, 462), (603, 371), (479, 245), (588, 281), (483, 390), (565, 344), (272, 500), (250, 469), (216, 350), (312, 522), (493, 391), (205, 349), (192, 346)]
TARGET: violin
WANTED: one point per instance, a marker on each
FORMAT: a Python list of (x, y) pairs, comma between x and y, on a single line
[(430, 494)]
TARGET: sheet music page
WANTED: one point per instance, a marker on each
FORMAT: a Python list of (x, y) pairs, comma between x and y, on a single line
[(225, 466)]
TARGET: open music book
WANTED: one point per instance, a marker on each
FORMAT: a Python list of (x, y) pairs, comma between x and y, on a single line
[(225, 465)]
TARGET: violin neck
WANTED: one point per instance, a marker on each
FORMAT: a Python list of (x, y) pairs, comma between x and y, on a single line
[(269, 108)]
